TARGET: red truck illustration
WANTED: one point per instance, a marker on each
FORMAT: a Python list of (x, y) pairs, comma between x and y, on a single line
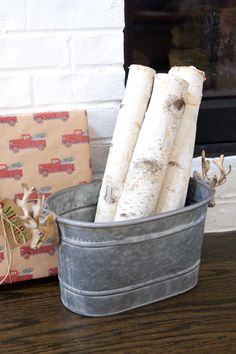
[(11, 120), (79, 136), (53, 271), (40, 117), (26, 142), (35, 194), (27, 251), (7, 172), (15, 276), (1, 256), (56, 165)]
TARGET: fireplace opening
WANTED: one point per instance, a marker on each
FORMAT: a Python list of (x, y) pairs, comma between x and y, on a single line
[(163, 33)]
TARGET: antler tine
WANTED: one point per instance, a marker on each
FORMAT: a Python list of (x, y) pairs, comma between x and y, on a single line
[(205, 166), (23, 203), (213, 181), (41, 227), (223, 171), (38, 208)]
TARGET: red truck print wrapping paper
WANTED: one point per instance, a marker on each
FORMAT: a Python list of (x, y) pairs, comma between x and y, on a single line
[(48, 150)]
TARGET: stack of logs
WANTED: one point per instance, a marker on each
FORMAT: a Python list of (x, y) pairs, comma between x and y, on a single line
[(149, 162)]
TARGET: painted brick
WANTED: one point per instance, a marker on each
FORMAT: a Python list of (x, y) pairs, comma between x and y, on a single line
[(221, 218), (66, 14), (102, 123), (107, 46), (12, 15), (87, 86), (14, 92), (33, 51), (99, 155)]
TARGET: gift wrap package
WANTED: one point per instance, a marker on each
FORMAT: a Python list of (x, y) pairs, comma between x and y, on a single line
[(49, 151)]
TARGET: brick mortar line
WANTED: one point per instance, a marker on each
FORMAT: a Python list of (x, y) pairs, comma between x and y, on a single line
[(31, 85), (106, 141), (101, 30), (25, 4), (70, 55), (92, 105), (77, 69)]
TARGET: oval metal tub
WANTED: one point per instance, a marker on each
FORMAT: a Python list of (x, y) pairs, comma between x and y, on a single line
[(107, 268)]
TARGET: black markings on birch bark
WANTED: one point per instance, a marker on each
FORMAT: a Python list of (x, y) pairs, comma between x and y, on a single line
[(150, 158), (175, 184), (130, 117), (108, 197)]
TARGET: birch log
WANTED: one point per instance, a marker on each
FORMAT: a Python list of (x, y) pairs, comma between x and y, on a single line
[(175, 184), (130, 117), (151, 154)]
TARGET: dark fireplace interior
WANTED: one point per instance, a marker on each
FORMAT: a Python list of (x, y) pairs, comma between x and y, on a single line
[(163, 33)]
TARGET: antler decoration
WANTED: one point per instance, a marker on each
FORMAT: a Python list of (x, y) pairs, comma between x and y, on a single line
[(214, 181), (42, 227)]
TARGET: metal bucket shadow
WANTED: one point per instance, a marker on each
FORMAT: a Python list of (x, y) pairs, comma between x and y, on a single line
[(107, 268)]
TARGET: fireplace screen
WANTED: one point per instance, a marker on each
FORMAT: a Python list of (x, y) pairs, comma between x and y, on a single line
[(163, 33)]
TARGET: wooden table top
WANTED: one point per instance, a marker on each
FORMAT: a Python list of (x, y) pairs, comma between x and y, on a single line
[(203, 320)]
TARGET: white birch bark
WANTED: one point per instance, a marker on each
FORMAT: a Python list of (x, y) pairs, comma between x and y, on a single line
[(153, 147), (130, 117), (175, 184)]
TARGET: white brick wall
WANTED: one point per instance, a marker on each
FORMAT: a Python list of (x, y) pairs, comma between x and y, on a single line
[(15, 92), (90, 85), (12, 15), (82, 43), (64, 54), (75, 14), (27, 50)]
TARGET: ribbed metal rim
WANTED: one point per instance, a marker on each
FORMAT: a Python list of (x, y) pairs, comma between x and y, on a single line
[(116, 224)]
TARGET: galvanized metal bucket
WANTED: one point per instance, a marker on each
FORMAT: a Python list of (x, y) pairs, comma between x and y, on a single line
[(107, 268)]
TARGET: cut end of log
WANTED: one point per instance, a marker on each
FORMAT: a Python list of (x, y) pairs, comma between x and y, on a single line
[(141, 67), (194, 77), (189, 68)]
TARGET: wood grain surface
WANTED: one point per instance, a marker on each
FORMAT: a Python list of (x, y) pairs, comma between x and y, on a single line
[(33, 320)]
